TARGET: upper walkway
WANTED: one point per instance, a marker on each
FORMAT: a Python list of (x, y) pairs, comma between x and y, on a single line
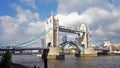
[(69, 30)]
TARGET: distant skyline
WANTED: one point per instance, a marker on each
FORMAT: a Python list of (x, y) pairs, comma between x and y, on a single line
[(22, 20)]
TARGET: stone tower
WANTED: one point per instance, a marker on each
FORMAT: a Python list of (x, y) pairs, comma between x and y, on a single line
[(84, 37), (52, 36), (107, 44)]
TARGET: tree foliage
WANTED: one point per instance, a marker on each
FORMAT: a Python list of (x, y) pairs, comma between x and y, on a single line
[(6, 60)]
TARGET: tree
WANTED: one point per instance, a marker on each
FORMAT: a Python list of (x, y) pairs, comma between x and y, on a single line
[(6, 60)]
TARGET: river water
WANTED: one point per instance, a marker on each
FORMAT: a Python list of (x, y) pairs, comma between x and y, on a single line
[(70, 62)]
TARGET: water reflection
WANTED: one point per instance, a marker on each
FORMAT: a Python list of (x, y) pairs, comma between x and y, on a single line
[(71, 62), (86, 62)]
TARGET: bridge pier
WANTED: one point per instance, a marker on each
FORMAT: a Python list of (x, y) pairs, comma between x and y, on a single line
[(89, 52), (55, 53), (77, 53), (40, 51), (13, 52), (21, 52)]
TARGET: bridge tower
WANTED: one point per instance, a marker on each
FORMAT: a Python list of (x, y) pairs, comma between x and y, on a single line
[(52, 42), (52, 36), (84, 37), (85, 40), (108, 45)]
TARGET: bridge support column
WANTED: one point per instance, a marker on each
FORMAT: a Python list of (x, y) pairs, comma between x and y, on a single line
[(77, 53), (88, 52), (21, 52), (13, 52), (40, 51), (55, 51)]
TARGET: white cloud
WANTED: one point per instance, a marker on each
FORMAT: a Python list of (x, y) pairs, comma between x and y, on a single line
[(26, 15), (101, 16), (99, 32), (115, 26), (66, 6), (29, 3), (90, 16), (21, 28), (35, 28), (69, 19)]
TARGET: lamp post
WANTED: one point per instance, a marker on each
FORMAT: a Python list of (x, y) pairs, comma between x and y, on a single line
[(45, 54)]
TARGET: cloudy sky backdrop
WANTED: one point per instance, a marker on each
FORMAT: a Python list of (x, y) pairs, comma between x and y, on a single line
[(22, 20)]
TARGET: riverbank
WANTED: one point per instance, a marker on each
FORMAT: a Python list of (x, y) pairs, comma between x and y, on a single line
[(28, 60), (14, 65)]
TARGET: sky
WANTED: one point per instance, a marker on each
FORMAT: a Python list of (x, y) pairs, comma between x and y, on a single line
[(22, 20)]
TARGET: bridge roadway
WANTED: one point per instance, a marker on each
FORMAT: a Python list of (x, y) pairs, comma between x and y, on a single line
[(21, 49)]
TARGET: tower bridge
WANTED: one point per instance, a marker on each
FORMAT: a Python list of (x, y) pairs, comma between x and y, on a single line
[(51, 36), (83, 38)]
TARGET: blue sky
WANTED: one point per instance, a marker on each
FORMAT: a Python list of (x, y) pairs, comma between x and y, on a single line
[(24, 19), (44, 8)]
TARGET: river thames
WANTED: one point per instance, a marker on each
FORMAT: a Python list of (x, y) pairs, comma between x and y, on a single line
[(69, 62)]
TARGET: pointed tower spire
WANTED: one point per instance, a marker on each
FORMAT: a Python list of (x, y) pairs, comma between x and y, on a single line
[(51, 13), (52, 16)]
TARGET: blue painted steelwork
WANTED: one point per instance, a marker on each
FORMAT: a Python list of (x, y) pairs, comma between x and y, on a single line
[(75, 43), (79, 45), (93, 41)]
